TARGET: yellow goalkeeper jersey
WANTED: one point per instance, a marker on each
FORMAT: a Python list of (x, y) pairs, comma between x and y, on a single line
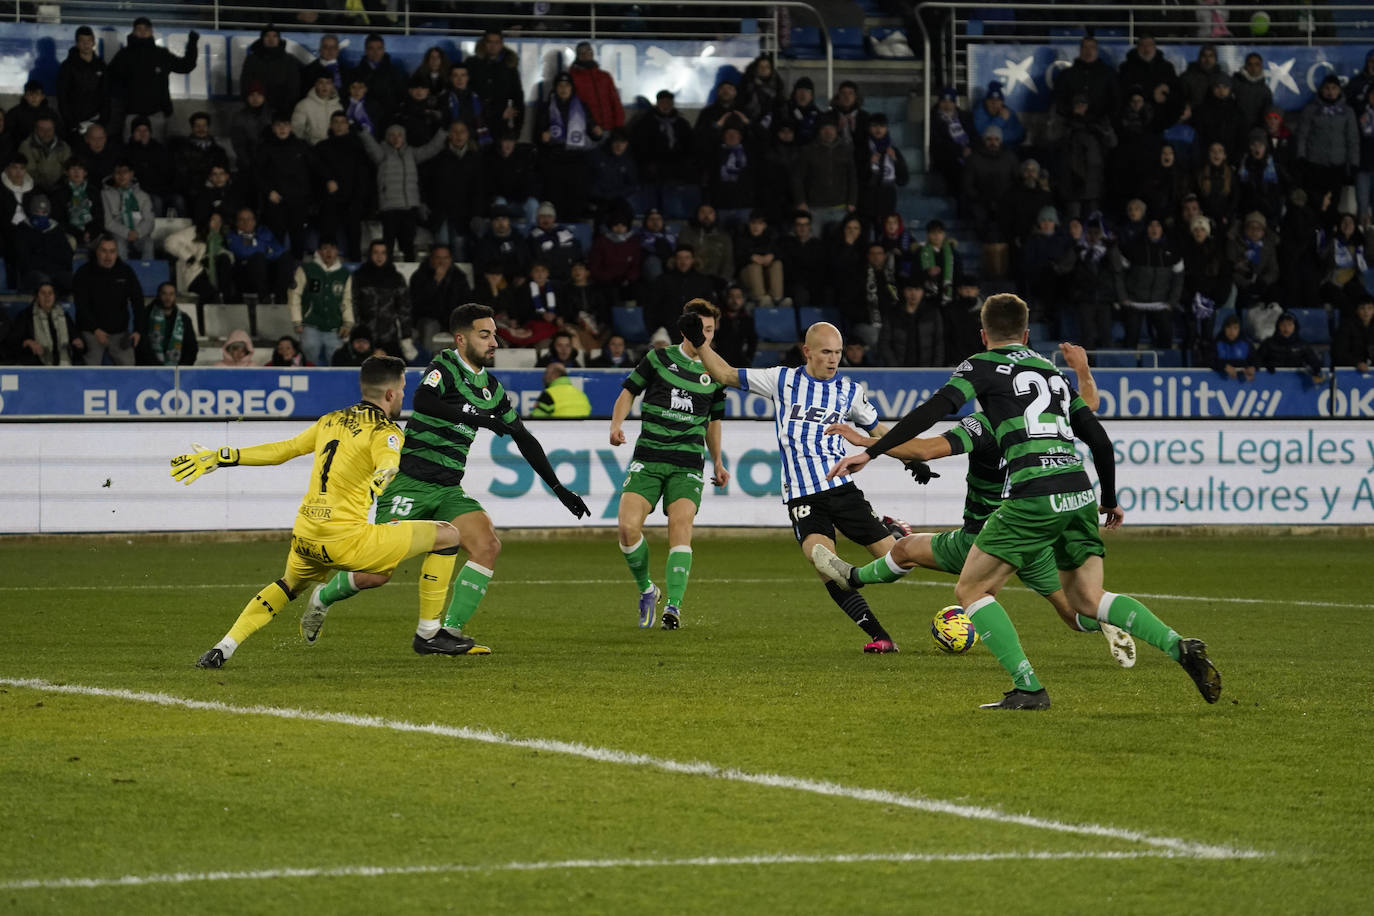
[(350, 446)]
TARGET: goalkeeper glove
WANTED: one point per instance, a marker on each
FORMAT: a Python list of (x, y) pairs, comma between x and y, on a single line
[(571, 501), (691, 328), (379, 480), (920, 472), (187, 468)]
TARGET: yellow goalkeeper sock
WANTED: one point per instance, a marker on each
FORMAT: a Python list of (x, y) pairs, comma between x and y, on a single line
[(436, 572), (258, 613)]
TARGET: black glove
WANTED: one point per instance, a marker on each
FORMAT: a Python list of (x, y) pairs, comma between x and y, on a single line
[(692, 331), (571, 501), (475, 416), (919, 471)]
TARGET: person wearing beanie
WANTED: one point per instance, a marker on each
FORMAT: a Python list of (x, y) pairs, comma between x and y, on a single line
[(421, 112), (993, 111), (42, 251), (723, 109), (801, 112), (732, 167), (596, 88), (1264, 182), (83, 94), (553, 243), (566, 133), (33, 104), (1253, 254), (1328, 142), (1045, 259), (1084, 142), (142, 69), (356, 349), (881, 169), (951, 139), (614, 177), (1020, 212), (269, 64)]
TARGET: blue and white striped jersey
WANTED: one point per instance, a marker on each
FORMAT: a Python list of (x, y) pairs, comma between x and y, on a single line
[(804, 407)]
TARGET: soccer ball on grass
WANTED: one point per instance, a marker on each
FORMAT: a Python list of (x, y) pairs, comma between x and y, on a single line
[(952, 630)]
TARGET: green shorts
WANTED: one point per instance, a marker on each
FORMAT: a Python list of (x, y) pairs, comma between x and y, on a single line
[(1065, 523), (656, 479), (951, 550), (408, 498)]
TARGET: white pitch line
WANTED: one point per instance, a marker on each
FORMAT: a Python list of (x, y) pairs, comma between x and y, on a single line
[(382, 871), (1180, 847), (945, 583)]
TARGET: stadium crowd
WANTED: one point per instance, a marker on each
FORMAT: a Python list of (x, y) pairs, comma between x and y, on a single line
[(1153, 198)]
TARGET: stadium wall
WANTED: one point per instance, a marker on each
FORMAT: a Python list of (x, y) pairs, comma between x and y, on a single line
[(113, 476)]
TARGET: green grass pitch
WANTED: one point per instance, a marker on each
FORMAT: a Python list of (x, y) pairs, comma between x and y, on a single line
[(893, 792)]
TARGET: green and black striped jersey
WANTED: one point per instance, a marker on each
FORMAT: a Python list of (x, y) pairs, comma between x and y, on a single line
[(680, 398), (436, 450), (986, 473), (1026, 404)]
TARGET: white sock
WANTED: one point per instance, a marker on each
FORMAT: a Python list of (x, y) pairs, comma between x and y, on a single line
[(426, 628), (226, 646)]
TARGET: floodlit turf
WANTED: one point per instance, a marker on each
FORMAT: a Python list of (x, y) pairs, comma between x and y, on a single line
[(766, 677)]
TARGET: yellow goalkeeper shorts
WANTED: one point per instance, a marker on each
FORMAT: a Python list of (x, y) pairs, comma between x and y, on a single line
[(370, 548)]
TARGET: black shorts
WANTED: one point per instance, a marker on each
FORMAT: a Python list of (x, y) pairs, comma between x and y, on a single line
[(844, 508)]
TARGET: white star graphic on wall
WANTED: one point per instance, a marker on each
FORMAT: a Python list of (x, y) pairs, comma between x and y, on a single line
[(1281, 75), (1014, 73)]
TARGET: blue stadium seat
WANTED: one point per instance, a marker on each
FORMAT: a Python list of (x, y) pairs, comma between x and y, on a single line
[(764, 359), (848, 43), (1117, 360), (805, 43), (1170, 359), (151, 274), (777, 325), (583, 233), (812, 314), (1314, 325), (629, 323)]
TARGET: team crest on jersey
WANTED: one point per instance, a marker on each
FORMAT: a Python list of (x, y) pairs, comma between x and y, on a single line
[(681, 400), (486, 394), (972, 425), (705, 378), (393, 442), (434, 377)]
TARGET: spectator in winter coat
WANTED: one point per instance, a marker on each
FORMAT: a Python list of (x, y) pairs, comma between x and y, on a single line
[(1088, 77), (454, 183), (1233, 356), (711, 245), (503, 247), (801, 112), (1220, 120), (268, 64), (34, 104), (1084, 144), (736, 338), (1358, 86), (1328, 142), (913, 335), (247, 129), (204, 266), (596, 88), (614, 355), (724, 109), (532, 316), (994, 111), (286, 170), (321, 303), (83, 93), (287, 354), (381, 300), (846, 256), (461, 102), (1344, 263), (1255, 261), (1264, 184), (356, 351), (657, 242), (1092, 282), (1283, 143), (310, 118), (1353, 344), (386, 84), (1147, 68), (326, 63), (730, 172), (1207, 284), (1287, 350), (881, 169), (1021, 208), (759, 256), (1164, 185), (129, 215), (553, 244), (663, 144), (344, 185), (42, 251), (804, 263), (76, 205), (680, 283), (433, 72), (614, 177), (365, 114), (261, 267), (825, 182), (1364, 178), (781, 158), (616, 260), (511, 175), (847, 110), (139, 73), (1300, 270), (152, 165), (220, 194), (495, 72), (1250, 86), (881, 298), (96, 150), (169, 337), (760, 92), (1218, 188), (15, 187), (1047, 259), (46, 153), (1149, 283), (43, 334), (436, 288), (398, 185), (1197, 79), (420, 113), (584, 308), (109, 306), (991, 172), (193, 156), (562, 350), (566, 132)]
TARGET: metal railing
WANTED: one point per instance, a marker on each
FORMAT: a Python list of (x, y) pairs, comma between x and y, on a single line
[(1167, 21)]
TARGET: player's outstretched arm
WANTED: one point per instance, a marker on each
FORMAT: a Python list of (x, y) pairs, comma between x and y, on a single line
[(690, 326), (533, 453), (912, 425), (431, 404), (924, 449), (191, 467), (1076, 358)]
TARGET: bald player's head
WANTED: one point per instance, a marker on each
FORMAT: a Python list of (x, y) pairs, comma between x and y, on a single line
[(823, 348)]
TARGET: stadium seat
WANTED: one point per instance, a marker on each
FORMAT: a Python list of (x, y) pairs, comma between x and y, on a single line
[(805, 43), (848, 44), (221, 319), (1314, 325), (813, 313), (151, 274), (1169, 359), (583, 233), (516, 358), (466, 268), (629, 323), (407, 268), (274, 322), (776, 325)]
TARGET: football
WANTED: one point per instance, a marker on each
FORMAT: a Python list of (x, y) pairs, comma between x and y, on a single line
[(952, 630)]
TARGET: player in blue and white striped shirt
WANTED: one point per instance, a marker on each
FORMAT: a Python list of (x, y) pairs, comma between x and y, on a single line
[(806, 401)]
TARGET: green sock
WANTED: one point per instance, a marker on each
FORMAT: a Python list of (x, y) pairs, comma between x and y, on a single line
[(637, 558), (880, 572), (1087, 624), (468, 592), (679, 568), (997, 633), (339, 588), (1135, 618)]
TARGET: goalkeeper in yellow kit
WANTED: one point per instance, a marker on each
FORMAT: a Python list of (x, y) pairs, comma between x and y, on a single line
[(357, 451)]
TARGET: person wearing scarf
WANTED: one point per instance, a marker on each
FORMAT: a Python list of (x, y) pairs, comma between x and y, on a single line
[(881, 169), (566, 132), (951, 139), (43, 334), (935, 263), (463, 104), (171, 336), (361, 112), (75, 205), (1255, 264)]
